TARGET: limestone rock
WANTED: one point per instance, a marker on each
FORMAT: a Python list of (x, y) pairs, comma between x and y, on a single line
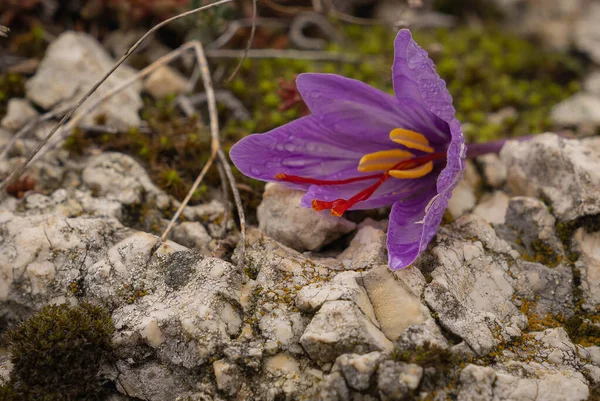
[(588, 244), (476, 383), (471, 289), (6, 367), (343, 286), (367, 249), (396, 308), (119, 177), (534, 233), (494, 171), (492, 207), (227, 377), (358, 370), (191, 234), (333, 388), (165, 81), (549, 289), (340, 327), (581, 109), (18, 113), (464, 196), (43, 256), (281, 217), (73, 63), (396, 379), (565, 172)]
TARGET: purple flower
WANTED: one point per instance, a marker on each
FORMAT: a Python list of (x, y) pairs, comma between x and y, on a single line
[(362, 148)]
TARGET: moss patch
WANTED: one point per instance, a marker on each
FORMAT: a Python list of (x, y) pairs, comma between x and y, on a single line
[(57, 354)]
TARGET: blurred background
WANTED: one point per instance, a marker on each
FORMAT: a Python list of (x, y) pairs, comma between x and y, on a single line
[(514, 67)]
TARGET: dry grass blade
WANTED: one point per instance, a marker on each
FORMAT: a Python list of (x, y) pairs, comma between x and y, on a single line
[(248, 45), (215, 150), (214, 132), (19, 170)]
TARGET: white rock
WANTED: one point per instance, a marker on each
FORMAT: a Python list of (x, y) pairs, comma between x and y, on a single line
[(565, 172), (18, 113), (358, 370), (119, 177), (579, 109), (226, 376), (344, 286), (492, 207), (494, 171), (589, 266), (396, 379), (464, 195), (191, 234), (165, 81), (281, 217), (42, 255), (283, 327), (6, 367), (476, 383), (386, 293), (73, 63), (367, 248), (340, 327), (471, 289)]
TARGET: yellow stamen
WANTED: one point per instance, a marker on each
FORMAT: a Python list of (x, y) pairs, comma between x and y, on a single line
[(411, 139), (383, 160), (416, 172)]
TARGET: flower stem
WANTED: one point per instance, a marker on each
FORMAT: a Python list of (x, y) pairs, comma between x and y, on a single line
[(480, 149)]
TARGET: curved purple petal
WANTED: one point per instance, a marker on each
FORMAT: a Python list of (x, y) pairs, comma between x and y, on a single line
[(415, 78), (407, 238), (357, 109), (304, 148), (389, 192), (413, 224)]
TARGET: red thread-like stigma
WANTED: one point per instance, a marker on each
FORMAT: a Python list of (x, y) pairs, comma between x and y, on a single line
[(339, 206)]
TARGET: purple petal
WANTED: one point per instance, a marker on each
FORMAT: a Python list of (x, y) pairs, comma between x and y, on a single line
[(407, 238), (413, 224), (389, 192), (355, 109), (415, 78), (304, 148)]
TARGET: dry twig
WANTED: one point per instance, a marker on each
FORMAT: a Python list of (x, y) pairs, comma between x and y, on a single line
[(248, 45), (19, 170), (315, 55)]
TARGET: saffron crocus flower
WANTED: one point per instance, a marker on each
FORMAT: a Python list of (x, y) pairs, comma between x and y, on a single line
[(361, 148)]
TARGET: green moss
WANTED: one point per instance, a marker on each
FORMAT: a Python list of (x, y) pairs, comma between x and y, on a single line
[(57, 354), (11, 86), (582, 330), (440, 365)]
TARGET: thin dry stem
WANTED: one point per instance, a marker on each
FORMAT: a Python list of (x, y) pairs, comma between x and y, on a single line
[(315, 55), (248, 44), (31, 125), (214, 131), (19, 170)]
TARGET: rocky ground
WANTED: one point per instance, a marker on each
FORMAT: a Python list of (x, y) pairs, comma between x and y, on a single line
[(503, 306)]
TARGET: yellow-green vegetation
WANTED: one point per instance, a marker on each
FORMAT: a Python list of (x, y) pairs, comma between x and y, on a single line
[(487, 71), (57, 354), (173, 149), (441, 367), (11, 86)]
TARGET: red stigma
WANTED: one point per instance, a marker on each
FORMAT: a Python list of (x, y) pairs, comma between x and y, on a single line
[(339, 206)]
